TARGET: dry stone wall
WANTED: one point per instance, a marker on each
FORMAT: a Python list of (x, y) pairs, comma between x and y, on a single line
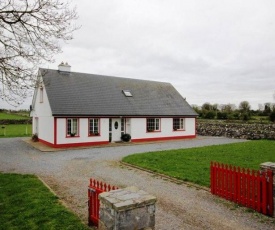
[(235, 130)]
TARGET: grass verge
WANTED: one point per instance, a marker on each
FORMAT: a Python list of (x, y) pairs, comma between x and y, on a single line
[(193, 164), (25, 203)]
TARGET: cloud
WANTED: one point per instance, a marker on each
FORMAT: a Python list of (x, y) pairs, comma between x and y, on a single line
[(215, 51)]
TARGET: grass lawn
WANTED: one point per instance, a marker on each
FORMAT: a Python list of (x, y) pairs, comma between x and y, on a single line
[(15, 130), (11, 116), (193, 164), (25, 203)]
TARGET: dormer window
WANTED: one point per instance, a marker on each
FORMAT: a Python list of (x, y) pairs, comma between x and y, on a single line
[(127, 93)]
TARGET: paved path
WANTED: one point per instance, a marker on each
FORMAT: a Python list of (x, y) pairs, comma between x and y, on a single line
[(179, 206)]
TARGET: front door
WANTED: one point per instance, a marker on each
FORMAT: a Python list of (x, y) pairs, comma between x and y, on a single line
[(116, 129)]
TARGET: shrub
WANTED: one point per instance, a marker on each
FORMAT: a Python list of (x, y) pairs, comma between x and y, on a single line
[(35, 137), (272, 116), (222, 115), (126, 137), (209, 115)]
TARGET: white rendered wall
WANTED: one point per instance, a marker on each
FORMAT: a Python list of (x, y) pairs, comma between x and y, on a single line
[(42, 111), (138, 128), (83, 132)]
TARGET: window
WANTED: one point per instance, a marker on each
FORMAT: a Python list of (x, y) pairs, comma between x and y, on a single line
[(94, 127), (122, 126), (72, 127), (41, 94), (153, 124), (178, 124), (127, 93)]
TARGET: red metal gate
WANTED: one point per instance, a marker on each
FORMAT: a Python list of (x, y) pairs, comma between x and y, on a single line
[(94, 189), (250, 188)]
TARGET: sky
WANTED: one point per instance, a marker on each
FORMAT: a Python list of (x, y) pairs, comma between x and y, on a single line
[(216, 51)]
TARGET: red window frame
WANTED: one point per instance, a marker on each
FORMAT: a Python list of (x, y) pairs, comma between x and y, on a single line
[(67, 127), (89, 131), (153, 129)]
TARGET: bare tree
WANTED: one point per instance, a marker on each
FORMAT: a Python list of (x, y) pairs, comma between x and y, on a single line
[(228, 108), (244, 106), (29, 34)]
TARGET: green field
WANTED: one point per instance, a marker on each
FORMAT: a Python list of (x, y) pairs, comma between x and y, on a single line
[(193, 164), (12, 116), (25, 203), (15, 130)]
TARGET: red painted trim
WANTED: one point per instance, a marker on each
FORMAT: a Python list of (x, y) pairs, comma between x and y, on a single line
[(46, 143), (163, 138), (83, 144), (118, 116), (55, 131)]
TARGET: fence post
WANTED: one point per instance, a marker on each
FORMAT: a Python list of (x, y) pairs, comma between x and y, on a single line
[(271, 166)]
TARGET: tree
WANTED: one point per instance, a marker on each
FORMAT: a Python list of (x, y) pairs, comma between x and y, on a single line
[(29, 34), (244, 106), (228, 108), (206, 106), (267, 108)]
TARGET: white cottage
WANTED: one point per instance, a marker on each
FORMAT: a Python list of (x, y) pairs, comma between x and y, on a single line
[(77, 109)]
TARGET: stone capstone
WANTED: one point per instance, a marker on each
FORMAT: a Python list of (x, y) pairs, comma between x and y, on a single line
[(126, 209)]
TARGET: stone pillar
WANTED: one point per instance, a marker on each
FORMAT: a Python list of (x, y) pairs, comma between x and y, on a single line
[(271, 166), (127, 209)]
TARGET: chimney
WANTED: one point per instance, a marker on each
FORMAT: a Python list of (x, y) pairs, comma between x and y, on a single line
[(64, 67)]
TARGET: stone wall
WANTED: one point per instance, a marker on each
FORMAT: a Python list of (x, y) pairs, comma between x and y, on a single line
[(235, 130)]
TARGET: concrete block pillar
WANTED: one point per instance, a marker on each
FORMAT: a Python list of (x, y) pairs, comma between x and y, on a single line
[(127, 209), (271, 166)]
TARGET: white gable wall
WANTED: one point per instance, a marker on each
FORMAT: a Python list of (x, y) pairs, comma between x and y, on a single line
[(42, 114)]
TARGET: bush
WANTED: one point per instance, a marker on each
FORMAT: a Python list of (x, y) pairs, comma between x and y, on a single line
[(222, 115), (35, 138), (272, 116), (126, 137), (209, 115)]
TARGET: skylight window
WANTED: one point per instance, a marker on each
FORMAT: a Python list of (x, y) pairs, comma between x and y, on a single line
[(127, 93)]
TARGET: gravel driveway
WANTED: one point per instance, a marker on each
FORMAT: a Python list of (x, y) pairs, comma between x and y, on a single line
[(178, 207)]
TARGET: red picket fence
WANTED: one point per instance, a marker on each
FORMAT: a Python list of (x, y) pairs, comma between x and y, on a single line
[(94, 189), (250, 188)]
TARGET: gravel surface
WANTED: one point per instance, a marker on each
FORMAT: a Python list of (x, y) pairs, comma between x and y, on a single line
[(178, 206)]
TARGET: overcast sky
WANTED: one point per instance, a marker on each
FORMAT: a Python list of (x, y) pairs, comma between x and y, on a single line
[(217, 51)]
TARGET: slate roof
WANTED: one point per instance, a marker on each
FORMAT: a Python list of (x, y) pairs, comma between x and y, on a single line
[(80, 94)]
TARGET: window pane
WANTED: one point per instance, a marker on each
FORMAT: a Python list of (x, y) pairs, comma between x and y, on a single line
[(150, 124), (94, 126), (110, 124), (157, 124), (74, 129), (176, 124), (153, 124), (122, 125), (69, 126)]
